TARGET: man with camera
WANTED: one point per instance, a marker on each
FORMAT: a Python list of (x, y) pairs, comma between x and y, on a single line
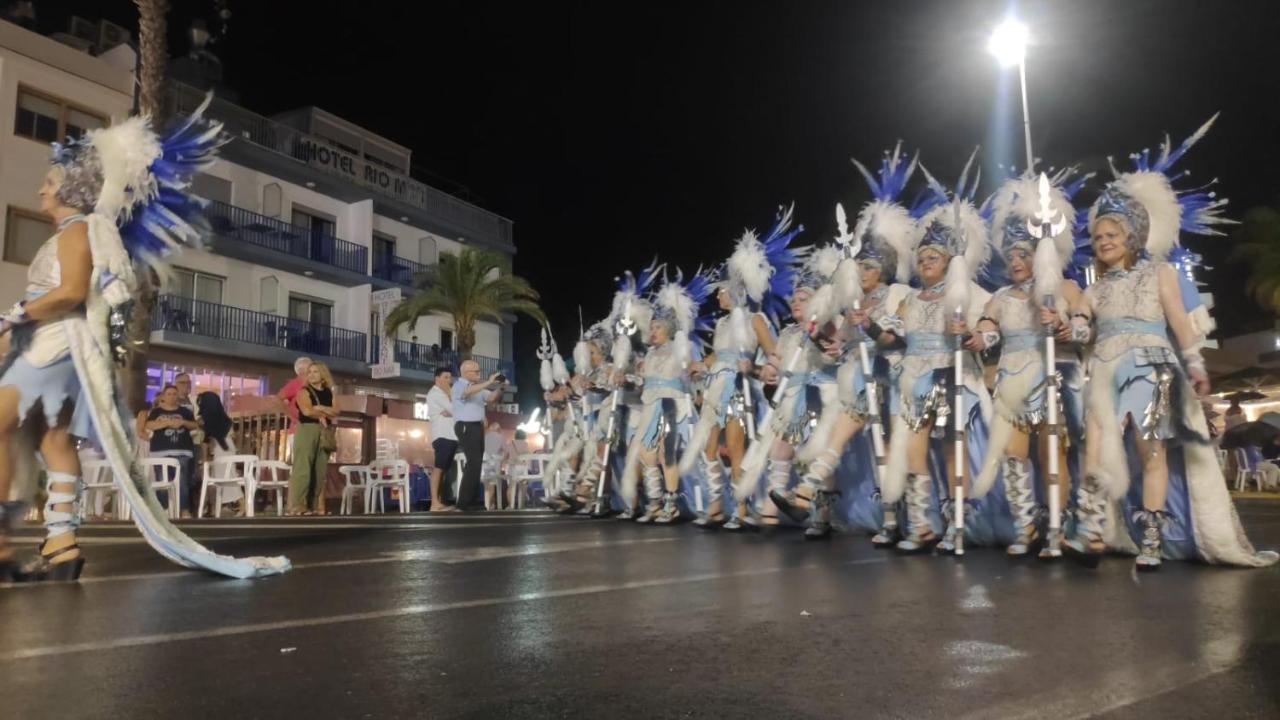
[(470, 398)]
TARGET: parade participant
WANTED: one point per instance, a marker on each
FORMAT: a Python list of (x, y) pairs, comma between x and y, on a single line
[(865, 289), (1143, 390), (116, 195), (935, 407), (804, 367), (1022, 207), (664, 392), (757, 276), (580, 446), (629, 322)]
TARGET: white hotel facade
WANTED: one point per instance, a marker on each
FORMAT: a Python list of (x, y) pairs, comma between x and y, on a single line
[(311, 216)]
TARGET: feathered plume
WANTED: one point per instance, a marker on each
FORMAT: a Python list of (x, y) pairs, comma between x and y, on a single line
[(1196, 210), (885, 220), (559, 373), (764, 268)]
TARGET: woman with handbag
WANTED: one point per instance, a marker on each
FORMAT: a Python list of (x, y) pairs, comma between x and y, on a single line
[(313, 441)]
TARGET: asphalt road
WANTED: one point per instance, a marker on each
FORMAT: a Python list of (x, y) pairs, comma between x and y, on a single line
[(528, 615)]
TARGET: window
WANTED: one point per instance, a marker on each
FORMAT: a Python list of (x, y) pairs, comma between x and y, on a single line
[(198, 286), (317, 224), (318, 312), (446, 339), (24, 233), (384, 246), (41, 117), (211, 188)]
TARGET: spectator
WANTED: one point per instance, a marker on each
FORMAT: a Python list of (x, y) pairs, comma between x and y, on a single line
[(470, 396), (511, 454), (171, 426), (187, 399), (316, 414), (289, 393), (444, 442), (491, 470), (217, 435)]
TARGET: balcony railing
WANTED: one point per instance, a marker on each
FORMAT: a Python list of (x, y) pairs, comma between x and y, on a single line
[(182, 99), (223, 322), (235, 223), (415, 356), (396, 269)]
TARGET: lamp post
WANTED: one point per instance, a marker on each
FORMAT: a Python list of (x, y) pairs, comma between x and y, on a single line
[(1008, 44)]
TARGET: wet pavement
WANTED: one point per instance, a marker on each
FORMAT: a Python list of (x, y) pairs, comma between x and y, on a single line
[(528, 615)]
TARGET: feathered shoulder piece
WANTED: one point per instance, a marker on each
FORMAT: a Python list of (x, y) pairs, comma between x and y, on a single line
[(762, 270), (883, 230), (145, 178), (1154, 210)]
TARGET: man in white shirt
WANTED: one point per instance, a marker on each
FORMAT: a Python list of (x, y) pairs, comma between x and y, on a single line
[(470, 397), (444, 442)]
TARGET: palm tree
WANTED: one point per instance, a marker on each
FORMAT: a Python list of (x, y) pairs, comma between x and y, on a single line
[(469, 286), (1257, 242), (153, 54)]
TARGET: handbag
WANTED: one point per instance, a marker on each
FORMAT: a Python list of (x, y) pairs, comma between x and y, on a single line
[(328, 433)]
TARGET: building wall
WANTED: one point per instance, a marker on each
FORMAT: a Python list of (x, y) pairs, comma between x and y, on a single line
[(105, 87), (46, 66)]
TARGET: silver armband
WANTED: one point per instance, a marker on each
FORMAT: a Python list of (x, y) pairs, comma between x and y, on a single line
[(1080, 331), (893, 324), (1193, 359)]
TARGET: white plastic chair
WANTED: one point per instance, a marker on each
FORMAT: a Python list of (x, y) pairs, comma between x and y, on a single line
[(273, 469), (384, 474), (229, 470), (99, 481), (527, 468), (169, 479), (357, 485)]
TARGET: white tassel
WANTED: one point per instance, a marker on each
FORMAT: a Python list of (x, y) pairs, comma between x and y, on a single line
[(1048, 272), (894, 481), (956, 294), (559, 373), (544, 376), (848, 284)]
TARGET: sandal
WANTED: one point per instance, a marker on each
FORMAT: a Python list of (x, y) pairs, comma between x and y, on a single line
[(52, 567)]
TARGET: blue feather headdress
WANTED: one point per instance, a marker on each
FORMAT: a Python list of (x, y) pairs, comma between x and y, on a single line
[(1146, 202), (761, 271), (883, 231), (677, 305), (145, 178)]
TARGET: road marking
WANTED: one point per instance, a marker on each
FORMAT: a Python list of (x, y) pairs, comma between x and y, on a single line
[(443, 557), (407, 611)]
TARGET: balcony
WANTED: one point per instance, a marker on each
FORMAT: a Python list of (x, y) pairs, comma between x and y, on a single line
[(226, 330), (420, 358), (396, 270), (266, 240), (351, 176)]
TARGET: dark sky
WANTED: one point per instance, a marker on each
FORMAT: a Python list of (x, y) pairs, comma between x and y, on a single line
[(611, 132)]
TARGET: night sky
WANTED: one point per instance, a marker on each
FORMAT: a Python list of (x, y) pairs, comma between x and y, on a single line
[(612, 132)]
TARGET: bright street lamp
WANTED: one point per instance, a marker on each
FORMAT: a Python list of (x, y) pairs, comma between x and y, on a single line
[(1008, 44)]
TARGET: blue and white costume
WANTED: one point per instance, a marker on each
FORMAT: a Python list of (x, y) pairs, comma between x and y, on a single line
[(1139, 384), (138, 211), (1021, 387)]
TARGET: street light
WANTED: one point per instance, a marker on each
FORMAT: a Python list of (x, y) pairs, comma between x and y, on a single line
[(1008, 44)]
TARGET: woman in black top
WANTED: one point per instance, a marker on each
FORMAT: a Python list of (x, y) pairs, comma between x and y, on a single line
[(316, 412)]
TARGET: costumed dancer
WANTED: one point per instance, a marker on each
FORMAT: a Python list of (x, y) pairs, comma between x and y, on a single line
[(575, 447), (804, 367), (559, 394), (1022, 209), (117, 196), (865, 289), (652, 452), (756, 279), (1148, 457), (939, 431), (630, 319)]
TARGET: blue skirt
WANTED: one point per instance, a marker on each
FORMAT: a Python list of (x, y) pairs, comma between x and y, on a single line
[(52, 386)]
